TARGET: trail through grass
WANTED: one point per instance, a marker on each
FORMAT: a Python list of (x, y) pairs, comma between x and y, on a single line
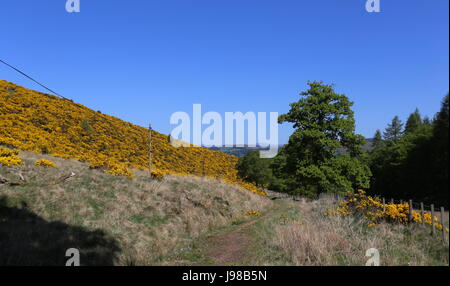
[(297, 233)]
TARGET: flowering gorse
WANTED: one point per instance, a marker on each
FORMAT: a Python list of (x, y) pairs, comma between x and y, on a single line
[(374, 211), (253, 213), (45, 163), (43, 123), (9, 157)]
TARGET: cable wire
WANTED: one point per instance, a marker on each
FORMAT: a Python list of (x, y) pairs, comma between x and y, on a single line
[(24, 74)]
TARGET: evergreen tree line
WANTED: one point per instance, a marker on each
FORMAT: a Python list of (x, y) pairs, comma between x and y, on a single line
[(411, 160), (408, 161)]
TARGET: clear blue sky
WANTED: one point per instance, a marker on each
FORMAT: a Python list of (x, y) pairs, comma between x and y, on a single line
[(142, 60)]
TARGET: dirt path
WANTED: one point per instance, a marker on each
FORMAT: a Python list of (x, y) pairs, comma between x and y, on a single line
[(232, 247)]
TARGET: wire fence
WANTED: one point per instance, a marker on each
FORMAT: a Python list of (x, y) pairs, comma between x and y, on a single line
[(436, 213)]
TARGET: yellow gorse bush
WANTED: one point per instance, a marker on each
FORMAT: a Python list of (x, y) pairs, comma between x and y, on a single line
[(375, 212), (9, 157), (110, 167), (158, 174), (45, 163), (119, 170), (43, 123), (253, 213)]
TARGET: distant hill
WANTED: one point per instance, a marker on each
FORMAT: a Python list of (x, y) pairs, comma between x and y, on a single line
[(366, 147), (241, 151), (238, 151)]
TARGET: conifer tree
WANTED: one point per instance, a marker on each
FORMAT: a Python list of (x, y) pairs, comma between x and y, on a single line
[(377, 140), (414, 122), (394, 130)]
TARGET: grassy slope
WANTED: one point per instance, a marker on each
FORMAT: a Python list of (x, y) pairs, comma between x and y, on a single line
[(112, 220), (297, 234), (178, 221), (340, 240), (43, 123)]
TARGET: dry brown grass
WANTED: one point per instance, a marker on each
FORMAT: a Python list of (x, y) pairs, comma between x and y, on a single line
[(140, 221), (150, 220), (337, 240)]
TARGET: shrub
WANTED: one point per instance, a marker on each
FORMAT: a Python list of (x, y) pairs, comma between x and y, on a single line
[(119, 170), (158, 174), (253, 213), (45, 163), (373, 210), (253, 169), (9, 157)]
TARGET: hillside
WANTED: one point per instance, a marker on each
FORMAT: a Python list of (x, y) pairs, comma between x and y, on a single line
[(366, 147), (84, 184), (113, 220), (43, 123)]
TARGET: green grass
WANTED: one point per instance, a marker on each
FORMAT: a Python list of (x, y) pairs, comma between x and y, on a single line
[(349, 238), (142, 221), (149, 220), (195, 255), (97, 206), (263, 252), (260, 253)]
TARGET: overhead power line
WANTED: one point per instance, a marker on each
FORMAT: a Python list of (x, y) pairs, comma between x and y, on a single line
[(24, 74)]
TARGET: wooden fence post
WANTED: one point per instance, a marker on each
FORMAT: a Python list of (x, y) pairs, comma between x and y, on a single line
[(433, 227), (422, 213), (150, 148), (203, 168), (384, 205), (392, 201), (410, 211), (442, 222)]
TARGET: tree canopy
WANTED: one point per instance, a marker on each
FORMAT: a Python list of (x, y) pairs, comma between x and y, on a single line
[(323, 122), (254, 169), (414, 165), (414, 122), (394, 130)]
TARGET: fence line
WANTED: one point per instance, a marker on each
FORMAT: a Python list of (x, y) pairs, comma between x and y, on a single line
[(277, 195), (412, 205)]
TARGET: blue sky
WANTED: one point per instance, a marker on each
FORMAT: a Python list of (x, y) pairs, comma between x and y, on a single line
[(142, 60)]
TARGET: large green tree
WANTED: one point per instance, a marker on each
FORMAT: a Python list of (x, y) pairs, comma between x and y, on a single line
[(323, 121)]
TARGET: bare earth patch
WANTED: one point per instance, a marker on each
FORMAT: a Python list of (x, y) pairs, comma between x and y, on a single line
[(232, 247)]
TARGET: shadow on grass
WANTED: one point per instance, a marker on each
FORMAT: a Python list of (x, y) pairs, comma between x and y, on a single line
[(27, 239)]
